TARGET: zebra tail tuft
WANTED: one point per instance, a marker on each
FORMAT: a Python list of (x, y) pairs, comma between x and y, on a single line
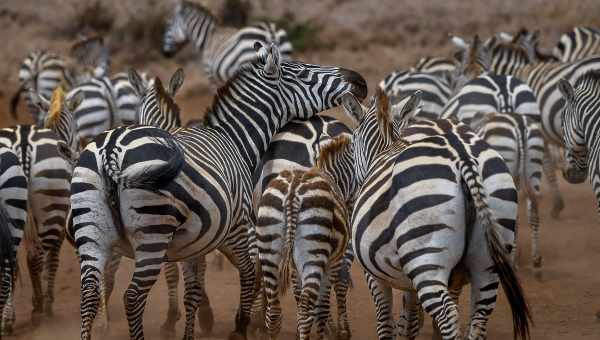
[(502, 263), (8, 263), (14, 101), (291, 208)]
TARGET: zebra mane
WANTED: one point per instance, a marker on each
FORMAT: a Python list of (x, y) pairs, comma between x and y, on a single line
[(224, 90), (166, 103), (56, 104), (384, 118), (198, 8), (591, 76), (332, 149)]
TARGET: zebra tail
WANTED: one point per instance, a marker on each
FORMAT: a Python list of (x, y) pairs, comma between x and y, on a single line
[(8, 263), (502, 263), (154, 176), (291, 208), (14, 101)]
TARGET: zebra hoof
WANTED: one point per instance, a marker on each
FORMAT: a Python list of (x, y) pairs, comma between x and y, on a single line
[(557, 207), (537, 262), (7, 330), (206, 319), (36, 318), (236, 336), (343, 334), (167, 331)]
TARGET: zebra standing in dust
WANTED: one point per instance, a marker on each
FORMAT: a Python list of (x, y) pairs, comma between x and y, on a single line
[(442, 68), (302, 222), (48, 176), (512, 58), (435, 91), (13, 216), (401, 184), (205, 178), (579, 43), (223, 51), (519, 140)]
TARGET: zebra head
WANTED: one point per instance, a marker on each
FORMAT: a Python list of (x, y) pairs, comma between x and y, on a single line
[(380, 126), (189, 21), (157, 107), (577, 102), (59, 118), (474, 60)]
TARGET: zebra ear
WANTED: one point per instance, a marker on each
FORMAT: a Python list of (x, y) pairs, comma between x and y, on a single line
[(459, 42), (408, 107), (176, 82), (39, 101), (352, 107), (566, 89), (504, 37), (257, 46), (136, 82), (273, 61)]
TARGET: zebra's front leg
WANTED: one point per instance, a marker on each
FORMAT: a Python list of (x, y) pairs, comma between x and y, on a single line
[(171, 272), (35, 264), (383, 299), (50, 268), (239, 256), (549, 168), (149, 259)]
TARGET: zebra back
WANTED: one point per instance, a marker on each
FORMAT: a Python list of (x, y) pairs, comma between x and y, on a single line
[(577, 44)]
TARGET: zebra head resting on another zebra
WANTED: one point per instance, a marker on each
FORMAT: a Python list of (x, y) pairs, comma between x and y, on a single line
[(580, 132)]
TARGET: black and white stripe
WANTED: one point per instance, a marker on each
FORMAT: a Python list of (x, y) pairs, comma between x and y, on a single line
[(404, 240), (435, 91), (223, 51), (440, 67), (579, 43), (13, 216), (206, 182)]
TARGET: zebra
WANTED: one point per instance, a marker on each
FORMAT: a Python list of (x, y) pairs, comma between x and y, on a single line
[(436, 92), (303, 219), (48, 176), (417, 249), (579, 120), (480, 91), (579, 43), (440, 67), (13, 215), (519, 140), (206, 182), (223, 51), (511, 58), (107, 102)]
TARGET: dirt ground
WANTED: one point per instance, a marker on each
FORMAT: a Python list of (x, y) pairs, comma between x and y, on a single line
[(563, 303)]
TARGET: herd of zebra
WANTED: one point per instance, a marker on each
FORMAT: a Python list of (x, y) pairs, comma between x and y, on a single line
[(423, 191)]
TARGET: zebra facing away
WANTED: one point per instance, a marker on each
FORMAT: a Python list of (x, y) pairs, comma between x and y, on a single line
[(223, 51), (302, 223), (203, 201), (469, 237), (519, 140), (579, 43), (580, 130), (13, 215)]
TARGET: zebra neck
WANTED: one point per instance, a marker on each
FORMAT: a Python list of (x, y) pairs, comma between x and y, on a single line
[(203, 36)]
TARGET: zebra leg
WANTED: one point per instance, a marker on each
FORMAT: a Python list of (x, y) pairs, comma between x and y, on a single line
[(147, 269), (549, 167), (457, 281), (239, 256), (92, 271), (383, 299), (271, 288), (439, 304), (35, 264), (323, 308), (534, 222), (206, 319), (171, 271), (51, 267), (412, 313), (192, 295), (7, 311), (102, 325), (484, 289), (218, 262)]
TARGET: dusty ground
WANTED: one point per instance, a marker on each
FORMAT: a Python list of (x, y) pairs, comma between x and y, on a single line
[(563, 303), (373, 38)]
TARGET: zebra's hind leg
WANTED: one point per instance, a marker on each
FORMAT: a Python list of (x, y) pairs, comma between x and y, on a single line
[(102, 325), (484, 289), (150, 254), (192, 296), (382, 296), (171, 271), (35, 264), (50, 268), (412, 313), (342, 281), (440, 305), (7, 311), (323, 307), (534, 223), (549, 168), (206, 319)]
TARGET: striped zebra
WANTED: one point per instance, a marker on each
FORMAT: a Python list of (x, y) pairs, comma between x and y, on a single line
[(203, 201), (13, 215), (481, 91), (401, 183), (435, 91), (108, 102), (580, 120), (223, 50), (577, 44), (440, 67), (543, 78), (529, 40), (519, 140), (302, 226)]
